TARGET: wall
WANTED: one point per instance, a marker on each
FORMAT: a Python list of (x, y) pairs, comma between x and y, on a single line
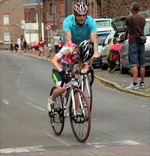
[(15, 10)]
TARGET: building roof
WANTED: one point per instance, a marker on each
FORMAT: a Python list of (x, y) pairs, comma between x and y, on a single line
[(33, 2)]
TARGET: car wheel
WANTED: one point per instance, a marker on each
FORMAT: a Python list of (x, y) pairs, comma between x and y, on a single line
[(123, 70), (104, 66), (33, 49)]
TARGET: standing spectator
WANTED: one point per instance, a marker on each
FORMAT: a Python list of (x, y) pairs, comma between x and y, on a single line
[(135, 25), (41, 48), (49, 49), (24, 45), (16, 47), (56, 39), (59, 43), (80, 27), (11, 46)]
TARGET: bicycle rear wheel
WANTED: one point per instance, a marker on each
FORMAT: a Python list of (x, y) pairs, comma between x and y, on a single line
[(57, 118), (81, 123)]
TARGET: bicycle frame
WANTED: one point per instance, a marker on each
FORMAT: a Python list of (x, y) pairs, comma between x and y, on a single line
[(72, 87)]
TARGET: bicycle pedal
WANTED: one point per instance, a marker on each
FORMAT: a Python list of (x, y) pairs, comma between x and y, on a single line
[(50, 114)]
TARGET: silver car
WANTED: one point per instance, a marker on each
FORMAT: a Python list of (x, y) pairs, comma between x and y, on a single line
[(124, 60)]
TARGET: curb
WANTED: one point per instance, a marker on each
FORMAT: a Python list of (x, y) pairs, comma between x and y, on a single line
[(102, 80), (120, 88)]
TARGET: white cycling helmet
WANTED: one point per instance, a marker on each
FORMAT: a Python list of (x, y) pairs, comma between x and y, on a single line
[(80, 8), (86, 50)]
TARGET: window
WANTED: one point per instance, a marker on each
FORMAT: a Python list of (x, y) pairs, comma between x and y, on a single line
[(6, 19), (52, 8), (26, 17), (101, 38), (29, 17), (6, 38)]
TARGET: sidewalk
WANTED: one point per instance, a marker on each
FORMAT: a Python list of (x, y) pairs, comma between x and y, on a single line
[(114, 80)]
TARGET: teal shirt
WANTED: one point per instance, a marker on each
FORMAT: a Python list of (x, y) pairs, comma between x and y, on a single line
[(79, 34)]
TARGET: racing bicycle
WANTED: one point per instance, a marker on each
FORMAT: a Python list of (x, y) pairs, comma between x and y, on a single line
[(74, 104)]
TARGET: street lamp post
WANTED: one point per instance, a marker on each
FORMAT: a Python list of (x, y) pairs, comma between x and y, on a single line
[(39, 18), (54, 27)]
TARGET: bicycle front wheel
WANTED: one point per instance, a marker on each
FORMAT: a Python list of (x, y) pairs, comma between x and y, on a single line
[(57, 118), (81, 118)]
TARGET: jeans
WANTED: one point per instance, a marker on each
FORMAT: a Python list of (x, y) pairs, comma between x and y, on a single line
[(137, 55)]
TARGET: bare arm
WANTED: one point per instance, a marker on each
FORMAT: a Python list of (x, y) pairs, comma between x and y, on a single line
[(94, 39), (84, 68), (68, 37), (55, 63)]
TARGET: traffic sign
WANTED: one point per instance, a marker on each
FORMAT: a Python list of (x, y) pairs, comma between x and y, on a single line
[(48, 27), (23, 22)]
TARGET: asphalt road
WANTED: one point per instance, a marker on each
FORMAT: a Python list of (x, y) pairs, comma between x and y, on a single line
[(120, 122)]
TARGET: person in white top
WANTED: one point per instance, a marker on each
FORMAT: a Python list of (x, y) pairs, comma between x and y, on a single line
[(49, 49), (56, 40)]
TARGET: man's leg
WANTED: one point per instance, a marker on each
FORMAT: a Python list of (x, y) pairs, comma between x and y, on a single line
[(142, 73), (135, 74), (39, 53)]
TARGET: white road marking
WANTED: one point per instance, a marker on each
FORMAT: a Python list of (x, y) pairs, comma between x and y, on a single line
[(115, 143), (33, 105), (57, 139), (6, 102), (23, 149)]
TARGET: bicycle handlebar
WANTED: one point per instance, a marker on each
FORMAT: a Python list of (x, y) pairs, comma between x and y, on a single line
[(63, 75)]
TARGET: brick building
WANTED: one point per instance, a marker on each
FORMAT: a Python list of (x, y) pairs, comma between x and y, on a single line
[(97, 9), (11, 14), (114, 8), (13, 11), (31, 11)]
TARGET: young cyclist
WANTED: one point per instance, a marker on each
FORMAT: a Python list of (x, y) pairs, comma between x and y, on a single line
[(64, 60), (79, 27)]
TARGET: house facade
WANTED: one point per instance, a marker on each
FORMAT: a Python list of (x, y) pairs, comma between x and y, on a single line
[(11, 15), (53, 12)]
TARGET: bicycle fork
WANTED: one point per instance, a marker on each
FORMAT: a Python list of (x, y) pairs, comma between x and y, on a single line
[(71, 98)]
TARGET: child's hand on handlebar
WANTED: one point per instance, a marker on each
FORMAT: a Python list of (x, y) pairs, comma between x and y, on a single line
[(83, 71)]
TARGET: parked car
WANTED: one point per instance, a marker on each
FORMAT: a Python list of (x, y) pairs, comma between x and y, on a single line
[(124, 60), (34, 46), (109, 41), (101, 36), (103, 29)]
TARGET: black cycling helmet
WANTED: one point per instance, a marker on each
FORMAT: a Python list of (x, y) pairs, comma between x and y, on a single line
[(80, 8), (86, 50)]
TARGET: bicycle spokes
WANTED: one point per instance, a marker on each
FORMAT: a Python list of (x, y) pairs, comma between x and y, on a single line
[(81, 119)]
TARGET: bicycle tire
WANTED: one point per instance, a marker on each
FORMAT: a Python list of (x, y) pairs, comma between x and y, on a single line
[(57, 119), (88, 91), (81, 129)]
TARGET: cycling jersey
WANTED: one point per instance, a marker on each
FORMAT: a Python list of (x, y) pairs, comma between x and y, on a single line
[(64, 54), (79, 34), (65, 62)]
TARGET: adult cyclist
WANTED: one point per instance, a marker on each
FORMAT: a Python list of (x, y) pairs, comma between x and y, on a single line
[(79, 27)]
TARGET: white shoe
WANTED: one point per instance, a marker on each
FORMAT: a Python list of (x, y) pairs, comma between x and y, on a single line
[(133, 87), (50, 105), (142, 85), (39, 57)]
